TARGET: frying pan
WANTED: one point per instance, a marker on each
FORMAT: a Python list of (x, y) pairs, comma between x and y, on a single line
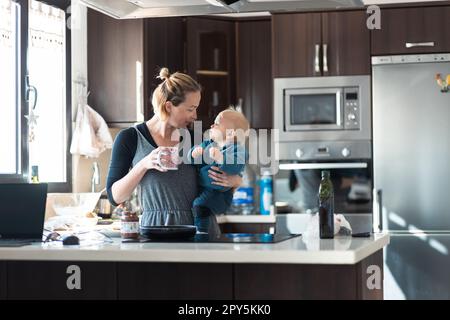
[(168, 232)]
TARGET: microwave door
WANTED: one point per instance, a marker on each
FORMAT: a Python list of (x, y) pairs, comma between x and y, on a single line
[(313, 109)]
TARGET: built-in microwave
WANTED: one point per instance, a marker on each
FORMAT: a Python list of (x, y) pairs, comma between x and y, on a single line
[(322, 108)]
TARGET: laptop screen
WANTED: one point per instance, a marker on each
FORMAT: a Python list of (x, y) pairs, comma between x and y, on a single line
[(22, 210)]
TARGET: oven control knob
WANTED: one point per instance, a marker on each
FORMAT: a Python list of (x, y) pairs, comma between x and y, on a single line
[(351, 116), (346, 152), (299, 153)]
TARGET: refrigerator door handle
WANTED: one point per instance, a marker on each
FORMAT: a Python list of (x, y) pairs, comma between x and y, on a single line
[(380, 208)]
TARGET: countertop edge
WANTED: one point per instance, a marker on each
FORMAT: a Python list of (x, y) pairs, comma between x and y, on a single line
[(194, 255)]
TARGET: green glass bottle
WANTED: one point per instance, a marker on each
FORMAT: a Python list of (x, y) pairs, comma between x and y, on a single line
[(326, 207)]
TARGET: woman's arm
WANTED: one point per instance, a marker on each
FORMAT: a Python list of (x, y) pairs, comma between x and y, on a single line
[(123, 188), (121, 180)]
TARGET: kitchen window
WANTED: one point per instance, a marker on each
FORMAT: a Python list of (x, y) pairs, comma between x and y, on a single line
[(35, 92), (10, 166)]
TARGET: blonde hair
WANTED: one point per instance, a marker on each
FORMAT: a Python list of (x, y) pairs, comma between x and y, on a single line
[(174, 89), (237, 120)]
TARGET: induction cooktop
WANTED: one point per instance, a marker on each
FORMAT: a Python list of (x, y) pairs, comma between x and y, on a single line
[(229, 238)]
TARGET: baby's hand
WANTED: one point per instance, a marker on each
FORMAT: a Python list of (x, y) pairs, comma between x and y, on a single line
[(197, 152), (215, 154)]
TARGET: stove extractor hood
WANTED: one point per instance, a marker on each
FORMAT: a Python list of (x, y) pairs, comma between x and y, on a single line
[(132, 9)]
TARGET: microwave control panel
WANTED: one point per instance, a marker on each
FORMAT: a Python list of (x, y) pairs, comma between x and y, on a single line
[(352, 110)]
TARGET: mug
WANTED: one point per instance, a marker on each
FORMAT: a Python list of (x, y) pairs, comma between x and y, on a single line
[(168, 158)]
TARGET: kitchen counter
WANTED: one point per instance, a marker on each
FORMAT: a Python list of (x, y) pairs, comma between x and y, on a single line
[(342, 268), (341, 250)]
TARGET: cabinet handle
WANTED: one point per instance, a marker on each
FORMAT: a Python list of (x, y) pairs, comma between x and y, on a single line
[(419, 44), (325, 58), (317, 60)]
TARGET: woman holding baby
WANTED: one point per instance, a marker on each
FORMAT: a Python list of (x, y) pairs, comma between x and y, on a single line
[(166, 195)]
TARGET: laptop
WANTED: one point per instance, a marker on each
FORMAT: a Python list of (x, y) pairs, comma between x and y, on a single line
[(22, 213)]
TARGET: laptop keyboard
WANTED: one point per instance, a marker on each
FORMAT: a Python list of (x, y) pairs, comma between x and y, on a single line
[(15, 242)]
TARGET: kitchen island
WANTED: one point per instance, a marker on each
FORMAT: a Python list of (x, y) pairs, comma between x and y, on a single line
[(341, 268)]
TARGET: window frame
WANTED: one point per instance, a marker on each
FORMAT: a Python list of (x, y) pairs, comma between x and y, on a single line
[(23, 157)]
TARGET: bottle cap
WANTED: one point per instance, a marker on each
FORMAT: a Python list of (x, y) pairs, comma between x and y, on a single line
[(325, 174)]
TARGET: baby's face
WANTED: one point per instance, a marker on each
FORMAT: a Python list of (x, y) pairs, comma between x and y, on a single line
[(219, 128)]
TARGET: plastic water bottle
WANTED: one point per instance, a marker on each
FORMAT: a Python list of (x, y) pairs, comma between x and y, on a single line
[(266, 193), (243, 197)]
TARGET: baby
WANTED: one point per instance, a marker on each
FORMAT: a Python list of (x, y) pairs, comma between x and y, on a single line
[(226, 150)]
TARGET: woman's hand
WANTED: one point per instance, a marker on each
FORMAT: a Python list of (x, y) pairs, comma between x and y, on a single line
[(220, 178), (151, 161)]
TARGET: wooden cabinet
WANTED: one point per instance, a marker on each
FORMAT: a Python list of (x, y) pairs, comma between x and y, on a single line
[(295, 38), (164, 46), (115, 67), (412, 30), (61, 280), (308, 282), (124, 58), (320, 44), (3, 281), (254, 71), (347, 40), (211, 60), (173, 281)]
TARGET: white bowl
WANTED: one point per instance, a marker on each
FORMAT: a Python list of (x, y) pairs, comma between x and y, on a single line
[(72, 204)]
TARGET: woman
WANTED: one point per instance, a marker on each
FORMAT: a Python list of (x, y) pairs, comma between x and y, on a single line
[(165, 195)]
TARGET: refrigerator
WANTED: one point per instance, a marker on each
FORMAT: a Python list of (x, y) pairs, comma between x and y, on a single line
[(411, 158)]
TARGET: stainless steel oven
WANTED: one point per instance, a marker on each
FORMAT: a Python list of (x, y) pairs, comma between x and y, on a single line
[(296, 186), (322, 108)]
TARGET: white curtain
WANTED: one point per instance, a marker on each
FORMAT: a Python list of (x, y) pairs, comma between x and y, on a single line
[(8, 87), (47, 73)]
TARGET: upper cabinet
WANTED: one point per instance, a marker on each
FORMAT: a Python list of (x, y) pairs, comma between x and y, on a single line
[(124, 58), (412, 30), (164, 46), (115, 67), (254, 71), (211, 61), (345, 43), (320, 44)]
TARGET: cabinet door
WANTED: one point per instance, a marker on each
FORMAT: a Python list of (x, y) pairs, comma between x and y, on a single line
[(414, 26), (61, 280), (164, 46), (347, 41), (171, 281), (254, 72), (295, 37), (211, 60), (2, 280), (115, 67)]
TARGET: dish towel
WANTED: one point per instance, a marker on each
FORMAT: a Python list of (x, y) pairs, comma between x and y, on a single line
[(91, 135)]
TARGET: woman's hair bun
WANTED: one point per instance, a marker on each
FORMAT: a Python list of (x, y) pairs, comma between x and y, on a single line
[(164, 74)]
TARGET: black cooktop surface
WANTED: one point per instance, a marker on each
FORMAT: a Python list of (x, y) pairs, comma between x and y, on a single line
[(228, 238)]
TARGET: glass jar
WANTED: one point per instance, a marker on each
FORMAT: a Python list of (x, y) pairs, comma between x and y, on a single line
[(129, 228)]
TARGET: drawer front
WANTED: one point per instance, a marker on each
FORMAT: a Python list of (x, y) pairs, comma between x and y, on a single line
[(61, 280), (173, 281)]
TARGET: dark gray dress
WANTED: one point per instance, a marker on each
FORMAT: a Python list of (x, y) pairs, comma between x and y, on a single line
[(167, 193)]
